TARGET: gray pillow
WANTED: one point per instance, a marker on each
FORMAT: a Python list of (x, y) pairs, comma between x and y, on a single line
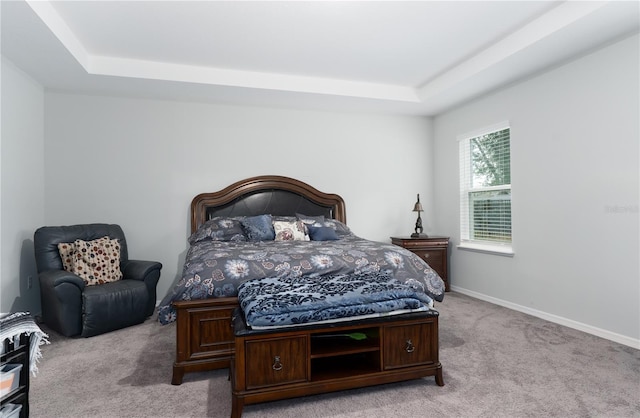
[(219, 229), (341, 229), (259, 228), (310, 220), (322, 233)]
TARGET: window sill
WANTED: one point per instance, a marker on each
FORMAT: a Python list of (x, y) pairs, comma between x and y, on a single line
[(502, 250)]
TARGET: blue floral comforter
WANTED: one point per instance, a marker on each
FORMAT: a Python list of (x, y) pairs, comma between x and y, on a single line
[(275, 302), (217, 268)]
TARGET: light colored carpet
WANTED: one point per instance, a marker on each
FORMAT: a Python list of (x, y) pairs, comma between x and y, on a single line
[(496, 363)]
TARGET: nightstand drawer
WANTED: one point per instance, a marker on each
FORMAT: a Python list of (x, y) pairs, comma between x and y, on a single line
[(435, 258), (418, 243)]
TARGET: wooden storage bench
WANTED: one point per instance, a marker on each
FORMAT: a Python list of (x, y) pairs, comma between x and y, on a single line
[(306, 360)]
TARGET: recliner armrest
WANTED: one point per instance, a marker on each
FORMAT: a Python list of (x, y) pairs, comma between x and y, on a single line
[(139, 269), (147, 271), (53, 278), (61, 298)]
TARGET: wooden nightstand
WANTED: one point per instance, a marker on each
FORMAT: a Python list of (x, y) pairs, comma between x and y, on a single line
[(433, 249)]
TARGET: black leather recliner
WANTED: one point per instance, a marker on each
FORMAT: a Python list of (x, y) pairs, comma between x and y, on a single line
[(72, 308)]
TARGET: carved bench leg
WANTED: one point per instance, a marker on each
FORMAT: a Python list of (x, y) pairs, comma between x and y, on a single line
[(439, 379), (178, 375), (237, 404)]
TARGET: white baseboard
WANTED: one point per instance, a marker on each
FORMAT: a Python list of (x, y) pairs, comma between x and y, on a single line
[(599, 332)]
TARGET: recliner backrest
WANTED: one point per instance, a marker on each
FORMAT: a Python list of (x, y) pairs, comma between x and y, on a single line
[(47, 238)]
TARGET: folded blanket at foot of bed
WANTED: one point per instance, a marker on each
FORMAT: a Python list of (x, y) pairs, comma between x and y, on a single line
[(277, 302)]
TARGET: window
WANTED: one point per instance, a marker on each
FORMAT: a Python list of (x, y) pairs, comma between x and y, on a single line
[(485, 190)]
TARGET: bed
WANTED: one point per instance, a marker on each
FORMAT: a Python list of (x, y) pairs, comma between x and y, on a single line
[(219, 261)]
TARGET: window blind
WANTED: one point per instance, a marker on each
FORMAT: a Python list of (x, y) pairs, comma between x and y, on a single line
[(485, 186)]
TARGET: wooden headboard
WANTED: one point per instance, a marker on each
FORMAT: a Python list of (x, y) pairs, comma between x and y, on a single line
[(275, 195)]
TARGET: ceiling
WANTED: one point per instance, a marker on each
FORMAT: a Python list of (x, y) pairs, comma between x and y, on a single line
[(416, 57)]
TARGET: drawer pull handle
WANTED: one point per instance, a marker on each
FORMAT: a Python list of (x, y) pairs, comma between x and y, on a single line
[(277, 365), (409, 348), (425, 256)]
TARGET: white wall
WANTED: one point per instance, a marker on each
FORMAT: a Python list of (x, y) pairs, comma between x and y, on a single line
[(139, 163), (22, 187), (575, 178)]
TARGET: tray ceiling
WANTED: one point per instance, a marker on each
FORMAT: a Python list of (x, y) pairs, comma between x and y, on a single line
[(416, 57)]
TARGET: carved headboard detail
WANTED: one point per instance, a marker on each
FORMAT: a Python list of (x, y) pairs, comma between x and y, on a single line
[(276, 195)]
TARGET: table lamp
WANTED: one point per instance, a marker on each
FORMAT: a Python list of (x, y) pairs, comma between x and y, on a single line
[(418, 231)]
